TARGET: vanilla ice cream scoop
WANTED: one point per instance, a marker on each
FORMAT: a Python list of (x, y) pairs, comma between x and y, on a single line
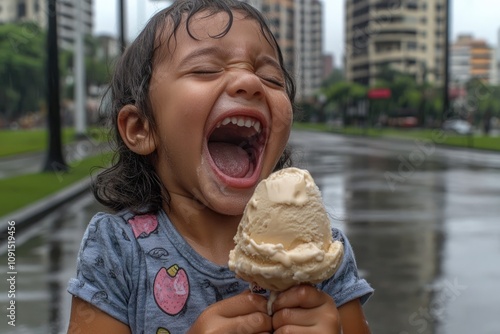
[(285, 237)]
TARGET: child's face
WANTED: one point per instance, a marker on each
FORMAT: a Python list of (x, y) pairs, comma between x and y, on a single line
[(198, 92)]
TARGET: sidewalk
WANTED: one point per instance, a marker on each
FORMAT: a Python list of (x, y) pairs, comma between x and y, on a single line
[(32, 213), (33, 163), (28, 163)]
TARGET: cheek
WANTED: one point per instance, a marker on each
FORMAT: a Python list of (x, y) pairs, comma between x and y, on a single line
[(282, 119)]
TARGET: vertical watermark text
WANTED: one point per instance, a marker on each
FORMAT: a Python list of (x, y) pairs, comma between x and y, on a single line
[(11, 273)]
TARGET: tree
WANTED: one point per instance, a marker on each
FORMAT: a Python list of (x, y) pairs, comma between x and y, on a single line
[(97, 69), (344, 94), (21, 69), (336, 76)]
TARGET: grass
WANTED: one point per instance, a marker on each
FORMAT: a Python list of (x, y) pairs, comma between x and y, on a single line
[(435, 135), (36, 140), (20, 191)]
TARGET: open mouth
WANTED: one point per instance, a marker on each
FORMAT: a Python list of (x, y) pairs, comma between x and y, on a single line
[(235, 146)]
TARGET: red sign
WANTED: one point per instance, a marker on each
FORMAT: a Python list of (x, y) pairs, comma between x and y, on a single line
[(379, 93), (457, 92)]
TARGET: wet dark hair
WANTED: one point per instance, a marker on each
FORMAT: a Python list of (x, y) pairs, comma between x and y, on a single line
[(131, 182)]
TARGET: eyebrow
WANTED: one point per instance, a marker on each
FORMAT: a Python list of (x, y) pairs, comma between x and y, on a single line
[(268, 60), (221, 53), (202, 52)]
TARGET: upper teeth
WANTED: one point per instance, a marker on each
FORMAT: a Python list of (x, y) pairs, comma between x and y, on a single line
[(241, 121)]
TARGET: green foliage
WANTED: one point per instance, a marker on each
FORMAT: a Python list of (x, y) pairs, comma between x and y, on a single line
[(343, 94), (23, 190), (21, 68), (336, 76), (483, 98)]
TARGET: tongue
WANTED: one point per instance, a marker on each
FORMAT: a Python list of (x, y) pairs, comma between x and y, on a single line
[(231, 159)]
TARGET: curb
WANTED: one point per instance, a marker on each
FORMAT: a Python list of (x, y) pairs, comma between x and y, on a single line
[(27, 216)]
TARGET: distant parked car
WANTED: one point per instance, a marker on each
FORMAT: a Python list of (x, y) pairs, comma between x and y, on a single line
[(458, 126)]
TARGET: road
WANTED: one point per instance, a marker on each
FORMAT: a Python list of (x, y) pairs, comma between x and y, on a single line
[(423, 222)]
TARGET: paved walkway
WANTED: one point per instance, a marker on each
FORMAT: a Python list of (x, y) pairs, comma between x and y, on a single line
[(33, 162)]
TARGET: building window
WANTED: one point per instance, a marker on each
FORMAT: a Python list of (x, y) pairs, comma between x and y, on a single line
[(412, 5), (21, 10), (37, 6)]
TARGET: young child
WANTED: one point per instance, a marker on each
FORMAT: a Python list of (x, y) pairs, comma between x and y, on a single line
[(202, 110)]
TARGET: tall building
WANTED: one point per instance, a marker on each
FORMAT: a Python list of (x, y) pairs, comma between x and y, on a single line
[(472, 58), (497, 58), (408, 36), (36, 11), (328, 65), (298, 27), (308, 35), (280, 15), (460, 60)]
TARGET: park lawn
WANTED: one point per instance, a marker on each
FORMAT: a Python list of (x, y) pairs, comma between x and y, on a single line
[(20, 191), (36, 140), (25, 141)]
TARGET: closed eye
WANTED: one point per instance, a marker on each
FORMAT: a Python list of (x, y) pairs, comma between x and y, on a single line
[(206, 71), (275, 81)]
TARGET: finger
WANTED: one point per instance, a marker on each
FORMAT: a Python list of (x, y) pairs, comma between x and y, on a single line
[(243, 313), (293, 316), (242, 304), (289, 329), (252, 323), (249, 324), (301, 296)]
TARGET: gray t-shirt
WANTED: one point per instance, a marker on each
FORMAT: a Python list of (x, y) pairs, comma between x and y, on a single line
[(141, 271)]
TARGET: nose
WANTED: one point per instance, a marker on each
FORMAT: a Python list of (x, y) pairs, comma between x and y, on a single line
[(246, 84)]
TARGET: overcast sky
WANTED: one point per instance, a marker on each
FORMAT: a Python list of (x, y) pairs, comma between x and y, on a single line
[(478, 17)]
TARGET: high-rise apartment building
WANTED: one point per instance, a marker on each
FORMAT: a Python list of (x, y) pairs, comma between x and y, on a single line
[(298, 27), (472, 59), (460, 65), (281, 17), (406, 35), (36, 10), (497, 60), (308, 47)]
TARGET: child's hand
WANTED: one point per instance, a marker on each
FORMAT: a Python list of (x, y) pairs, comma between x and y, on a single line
[(305, 309), (244, 313)]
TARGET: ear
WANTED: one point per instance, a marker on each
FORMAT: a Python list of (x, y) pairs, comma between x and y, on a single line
[(135, 130)]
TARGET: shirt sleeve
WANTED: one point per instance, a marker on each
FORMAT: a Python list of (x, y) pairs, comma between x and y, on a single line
[(105, 266), (346, 285)]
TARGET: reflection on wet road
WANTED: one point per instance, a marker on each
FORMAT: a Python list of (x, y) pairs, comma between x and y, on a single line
[(45, 260), (423, 223)]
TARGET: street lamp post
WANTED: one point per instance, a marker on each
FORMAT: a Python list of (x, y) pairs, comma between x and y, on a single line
[(446, 78), (54, 161), (80, 82), (121, 18)]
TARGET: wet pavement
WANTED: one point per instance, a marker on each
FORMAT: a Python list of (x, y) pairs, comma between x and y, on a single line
[(34, 162), (423, 222)]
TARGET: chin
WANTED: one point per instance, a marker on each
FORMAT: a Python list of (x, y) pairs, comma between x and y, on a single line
[(230, 202)]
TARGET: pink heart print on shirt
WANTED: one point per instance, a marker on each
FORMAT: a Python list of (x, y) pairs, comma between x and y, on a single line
[(143, 225), (171, 289)]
